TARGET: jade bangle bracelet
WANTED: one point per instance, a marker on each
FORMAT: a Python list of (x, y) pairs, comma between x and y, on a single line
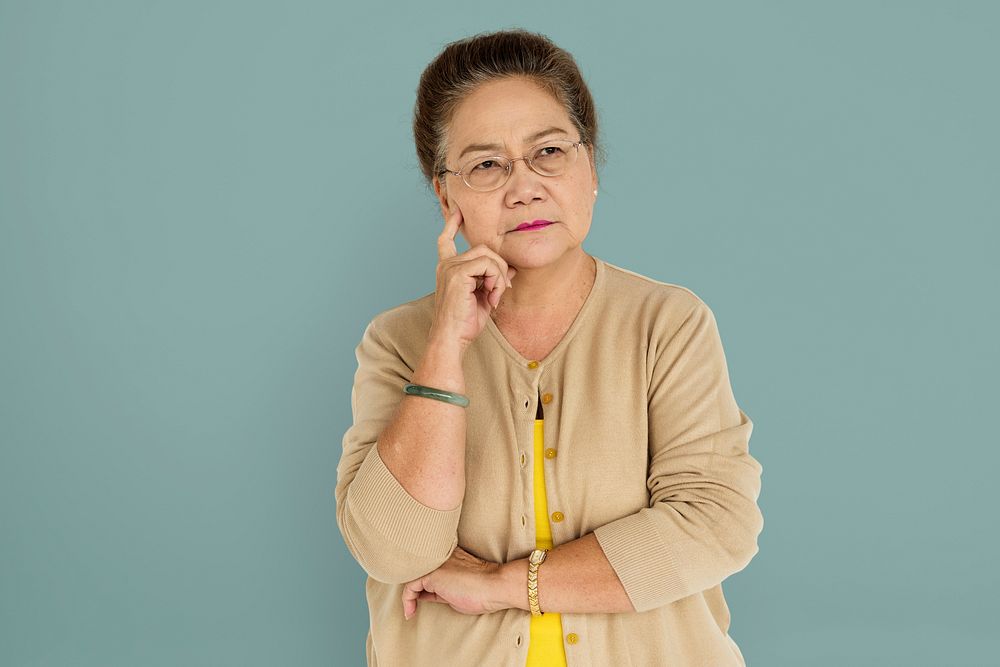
[(437, 394)]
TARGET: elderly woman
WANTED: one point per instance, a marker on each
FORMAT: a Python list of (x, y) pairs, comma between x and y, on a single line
[(547, 465)]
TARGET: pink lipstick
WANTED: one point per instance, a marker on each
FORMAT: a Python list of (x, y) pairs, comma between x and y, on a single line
[(534, 224)]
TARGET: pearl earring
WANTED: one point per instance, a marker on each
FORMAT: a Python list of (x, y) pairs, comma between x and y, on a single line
[(595, 193)]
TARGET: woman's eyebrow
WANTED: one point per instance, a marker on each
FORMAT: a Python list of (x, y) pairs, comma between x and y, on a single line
[(530, 138)]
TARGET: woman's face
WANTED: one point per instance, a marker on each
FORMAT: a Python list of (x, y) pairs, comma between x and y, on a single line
[(507, 113)]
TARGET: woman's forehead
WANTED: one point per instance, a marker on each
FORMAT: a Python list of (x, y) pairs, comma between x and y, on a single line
[(505, 111), (528, 138)]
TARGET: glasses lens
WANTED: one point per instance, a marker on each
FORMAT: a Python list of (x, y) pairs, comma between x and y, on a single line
[(549, 159), (486, 173), (553, 157)]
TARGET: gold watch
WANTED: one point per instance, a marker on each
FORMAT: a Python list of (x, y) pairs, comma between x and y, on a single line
[(537, 558)]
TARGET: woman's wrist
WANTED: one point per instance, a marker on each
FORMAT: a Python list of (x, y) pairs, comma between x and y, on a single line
[(512, 584), (446, 343), (441, 368)]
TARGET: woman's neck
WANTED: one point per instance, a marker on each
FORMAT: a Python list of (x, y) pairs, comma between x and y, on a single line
[(552, 291)]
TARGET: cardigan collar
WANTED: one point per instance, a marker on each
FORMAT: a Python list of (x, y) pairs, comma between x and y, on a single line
[(585, 313)]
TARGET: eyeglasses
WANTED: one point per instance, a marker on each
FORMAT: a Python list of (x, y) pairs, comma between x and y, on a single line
[(551, 158)]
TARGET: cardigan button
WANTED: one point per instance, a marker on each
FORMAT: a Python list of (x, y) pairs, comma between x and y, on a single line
[(546, 398), (532, 365), (557, 516), (549, 453), (572, 638)]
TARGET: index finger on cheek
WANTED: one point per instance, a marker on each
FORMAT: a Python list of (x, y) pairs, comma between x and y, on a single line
[(408, 607), (456, 219)]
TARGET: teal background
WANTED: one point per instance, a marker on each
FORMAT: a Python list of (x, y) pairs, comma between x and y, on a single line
[(202, 204)]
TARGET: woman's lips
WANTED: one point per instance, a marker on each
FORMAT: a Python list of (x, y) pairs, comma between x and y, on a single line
[(534, 224)]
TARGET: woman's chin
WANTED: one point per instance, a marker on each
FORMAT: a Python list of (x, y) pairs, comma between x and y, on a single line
[(535, 257)]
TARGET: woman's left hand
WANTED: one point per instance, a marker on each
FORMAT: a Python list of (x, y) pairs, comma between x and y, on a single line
[(466, 583)]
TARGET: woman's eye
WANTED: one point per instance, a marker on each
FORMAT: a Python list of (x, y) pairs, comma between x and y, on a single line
[(555, 150), (486, 164)]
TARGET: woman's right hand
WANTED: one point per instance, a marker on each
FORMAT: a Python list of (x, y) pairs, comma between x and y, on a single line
[(469, 287)]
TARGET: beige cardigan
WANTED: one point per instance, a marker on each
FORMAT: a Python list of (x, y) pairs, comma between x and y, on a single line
[(653, 457)]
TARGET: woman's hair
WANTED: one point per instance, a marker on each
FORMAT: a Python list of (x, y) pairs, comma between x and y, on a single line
[(465, 64)]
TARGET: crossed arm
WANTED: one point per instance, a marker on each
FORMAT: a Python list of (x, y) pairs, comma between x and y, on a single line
[(576, 577), (581, 581)]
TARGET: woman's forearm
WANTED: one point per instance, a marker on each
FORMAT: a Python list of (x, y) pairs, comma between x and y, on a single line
[(576, 577), (424, 444)]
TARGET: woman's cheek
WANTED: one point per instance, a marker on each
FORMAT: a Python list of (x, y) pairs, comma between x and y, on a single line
[(476, 239)]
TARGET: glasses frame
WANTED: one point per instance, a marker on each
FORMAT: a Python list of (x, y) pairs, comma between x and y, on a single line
[(510, 164)]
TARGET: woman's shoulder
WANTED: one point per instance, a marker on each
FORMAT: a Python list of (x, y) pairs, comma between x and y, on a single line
[(408, 322), (630, 289), (653, 311)]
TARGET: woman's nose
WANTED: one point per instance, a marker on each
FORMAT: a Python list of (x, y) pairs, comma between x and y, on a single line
[(526, 187)]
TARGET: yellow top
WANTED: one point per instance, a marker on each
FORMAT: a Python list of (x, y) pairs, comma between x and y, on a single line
[(545, 648)]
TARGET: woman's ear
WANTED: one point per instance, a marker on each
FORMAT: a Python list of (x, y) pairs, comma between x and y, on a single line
[(447, 203)]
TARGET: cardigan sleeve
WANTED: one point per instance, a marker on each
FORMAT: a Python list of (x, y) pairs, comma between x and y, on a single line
[(703, 521), (393, 536)]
